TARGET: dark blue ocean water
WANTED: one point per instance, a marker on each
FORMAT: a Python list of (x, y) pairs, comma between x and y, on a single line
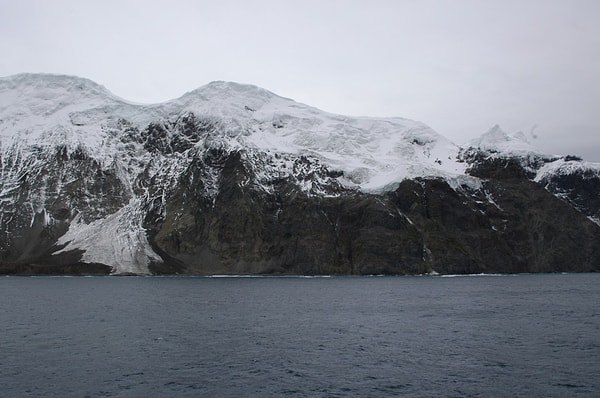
[(481, 336)]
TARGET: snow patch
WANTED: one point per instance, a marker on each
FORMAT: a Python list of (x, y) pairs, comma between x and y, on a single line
[(118, 241), (567, 167)]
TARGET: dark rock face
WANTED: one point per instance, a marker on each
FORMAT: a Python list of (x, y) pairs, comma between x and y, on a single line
[(176, 135), (247, 230), (511, 225), (580, 189)]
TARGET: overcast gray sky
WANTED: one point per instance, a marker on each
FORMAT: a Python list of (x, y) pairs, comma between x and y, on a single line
[(460, 66)]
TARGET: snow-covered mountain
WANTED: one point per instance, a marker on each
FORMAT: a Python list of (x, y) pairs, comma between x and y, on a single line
[(232, 178)]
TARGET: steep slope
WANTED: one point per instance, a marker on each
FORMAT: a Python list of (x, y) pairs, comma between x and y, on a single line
[(231, 178), (574, 181), (567, 177)]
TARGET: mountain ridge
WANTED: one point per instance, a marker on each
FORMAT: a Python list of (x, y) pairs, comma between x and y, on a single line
[(231, 178)]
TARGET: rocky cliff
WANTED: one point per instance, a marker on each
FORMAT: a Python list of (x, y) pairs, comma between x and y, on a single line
[(232, 179)]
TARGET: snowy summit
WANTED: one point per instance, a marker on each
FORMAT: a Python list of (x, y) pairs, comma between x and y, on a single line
[(373, 153)]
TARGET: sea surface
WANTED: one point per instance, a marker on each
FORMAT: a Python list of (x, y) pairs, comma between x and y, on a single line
[(468, 336)]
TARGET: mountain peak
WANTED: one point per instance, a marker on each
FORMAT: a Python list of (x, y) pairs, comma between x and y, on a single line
[(52, 83), (229, 90), (41, 95), (498, 141), (226, 99)]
